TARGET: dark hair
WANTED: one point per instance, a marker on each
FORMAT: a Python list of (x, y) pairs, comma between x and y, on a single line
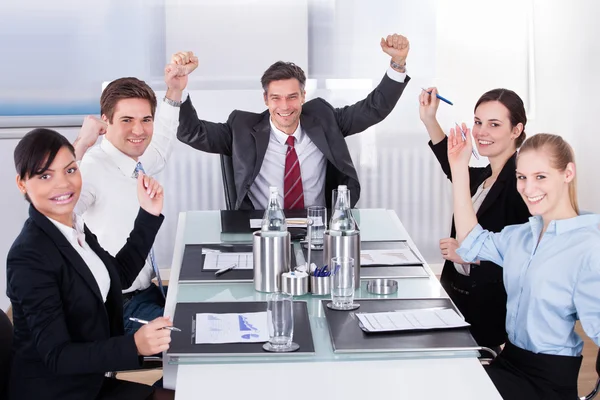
[(280, 71), (36, 151), (514, 104), (125, 88)]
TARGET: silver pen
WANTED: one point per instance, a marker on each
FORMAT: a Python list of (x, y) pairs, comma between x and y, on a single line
[(144, 322), (464, 137), (223, 270)]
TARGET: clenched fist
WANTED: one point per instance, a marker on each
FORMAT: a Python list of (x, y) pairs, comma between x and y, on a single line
[(176, 72), (396, 46)]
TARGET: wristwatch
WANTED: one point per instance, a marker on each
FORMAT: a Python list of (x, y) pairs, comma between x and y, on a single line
[(398, 67), (172, 102)]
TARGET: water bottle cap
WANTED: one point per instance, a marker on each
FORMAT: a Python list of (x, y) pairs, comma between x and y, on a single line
[(342, 187), (273, 189)]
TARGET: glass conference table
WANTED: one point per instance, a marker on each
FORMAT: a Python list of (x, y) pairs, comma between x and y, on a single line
[(455, 374)]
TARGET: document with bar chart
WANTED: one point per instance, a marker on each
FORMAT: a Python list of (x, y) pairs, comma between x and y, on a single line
[(232, 328)]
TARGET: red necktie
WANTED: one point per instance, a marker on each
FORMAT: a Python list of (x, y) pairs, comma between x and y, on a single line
[(293, 197)]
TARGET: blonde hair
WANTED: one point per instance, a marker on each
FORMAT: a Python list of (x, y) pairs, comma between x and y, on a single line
[(561, 154)]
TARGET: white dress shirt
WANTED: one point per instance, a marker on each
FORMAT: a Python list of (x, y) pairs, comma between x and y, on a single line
[(76, 237), (312, 165), (108, 201)]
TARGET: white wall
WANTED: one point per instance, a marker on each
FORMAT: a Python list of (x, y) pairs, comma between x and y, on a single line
[(567, 55), (545, 50)]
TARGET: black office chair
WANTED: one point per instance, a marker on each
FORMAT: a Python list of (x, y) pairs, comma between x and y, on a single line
[(492, 354), (148, 363), (6, 339), (594, 391), (228, 182)]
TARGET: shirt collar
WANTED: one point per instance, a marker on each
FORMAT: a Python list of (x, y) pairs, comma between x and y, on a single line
[(71, 232), (282, 137), (561, 226), (125, 163)]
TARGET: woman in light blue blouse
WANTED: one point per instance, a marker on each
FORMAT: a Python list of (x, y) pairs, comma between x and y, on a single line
[(551, 268)]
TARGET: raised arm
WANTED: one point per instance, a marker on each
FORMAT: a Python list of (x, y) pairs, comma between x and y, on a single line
[(428, 106), (475, 242), (202, 135), (459, 154), (166, 121), (382, 100), (91, 129), (132, 256)]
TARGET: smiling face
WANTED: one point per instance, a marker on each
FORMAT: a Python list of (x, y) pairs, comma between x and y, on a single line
[(494, 135), (544, 189), (284, 98), (55, 192), (132, 126)]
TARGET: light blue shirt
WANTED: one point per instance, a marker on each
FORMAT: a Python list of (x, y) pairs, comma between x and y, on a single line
[(549, 285)]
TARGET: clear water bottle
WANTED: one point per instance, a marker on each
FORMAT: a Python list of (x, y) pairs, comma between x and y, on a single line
[(273, 223), (342, 222)]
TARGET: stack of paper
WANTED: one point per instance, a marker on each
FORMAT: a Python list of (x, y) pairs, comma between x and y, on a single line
[(400, 256), (408, 320)]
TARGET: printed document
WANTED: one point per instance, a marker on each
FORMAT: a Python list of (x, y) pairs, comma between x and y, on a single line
[(214, 261), (408, 320), (401, 256), (232, 328)]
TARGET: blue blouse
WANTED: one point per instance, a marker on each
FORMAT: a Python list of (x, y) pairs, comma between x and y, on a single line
[(549, 285)]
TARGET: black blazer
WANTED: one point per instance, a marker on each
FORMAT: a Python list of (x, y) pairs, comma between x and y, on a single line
[(245, 136), (65, 336), (485, 307)]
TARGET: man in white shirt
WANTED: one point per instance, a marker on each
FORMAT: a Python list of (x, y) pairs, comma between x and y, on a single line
[(298, 146), (135, 140)]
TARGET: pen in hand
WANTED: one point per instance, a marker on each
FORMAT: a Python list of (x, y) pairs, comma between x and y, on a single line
[(464, 137), (144, 322), (223, 270), (439, 97)]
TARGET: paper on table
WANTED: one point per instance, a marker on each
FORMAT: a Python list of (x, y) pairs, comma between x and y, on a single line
[(403, 256), (408, 320), (217, 261), (291, 223), (232, 328)]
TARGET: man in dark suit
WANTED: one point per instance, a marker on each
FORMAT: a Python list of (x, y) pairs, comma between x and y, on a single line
[(296, 146)]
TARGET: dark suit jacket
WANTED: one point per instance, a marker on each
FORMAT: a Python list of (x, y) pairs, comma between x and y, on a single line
[(481, 297), (65, 336), (245, 136)]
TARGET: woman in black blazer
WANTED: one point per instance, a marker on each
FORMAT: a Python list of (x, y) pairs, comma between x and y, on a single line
[(65, 289), (478, 290)]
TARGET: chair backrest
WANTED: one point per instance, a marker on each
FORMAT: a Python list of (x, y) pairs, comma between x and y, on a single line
[(6, 339), (228, 182)]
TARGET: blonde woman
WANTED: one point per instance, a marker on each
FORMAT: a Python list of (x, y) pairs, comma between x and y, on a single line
[(551, 268)]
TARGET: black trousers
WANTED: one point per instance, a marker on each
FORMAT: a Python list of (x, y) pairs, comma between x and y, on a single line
[(520, 374), (481, 298), (115, 389)]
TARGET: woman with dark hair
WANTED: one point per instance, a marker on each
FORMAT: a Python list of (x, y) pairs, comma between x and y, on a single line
[(65, 289), (551, 268), (499, 130)]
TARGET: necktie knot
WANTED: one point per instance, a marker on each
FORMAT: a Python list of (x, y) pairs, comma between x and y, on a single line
[(138, 168), (290, 141)]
